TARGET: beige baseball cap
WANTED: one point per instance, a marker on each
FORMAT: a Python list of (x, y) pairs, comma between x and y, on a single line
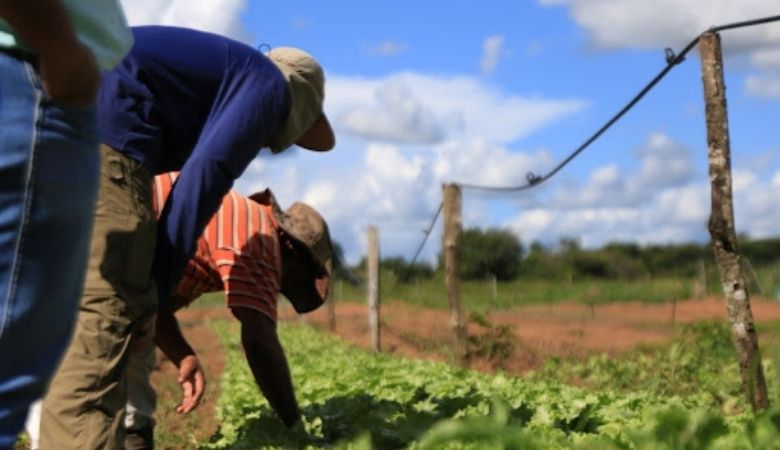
[(306, 125)]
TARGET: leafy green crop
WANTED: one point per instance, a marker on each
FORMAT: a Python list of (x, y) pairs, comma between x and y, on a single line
[(700, 361), (354, 399)]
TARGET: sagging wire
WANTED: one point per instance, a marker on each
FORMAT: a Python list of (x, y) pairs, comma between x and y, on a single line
[(532, 179), (672, 60)]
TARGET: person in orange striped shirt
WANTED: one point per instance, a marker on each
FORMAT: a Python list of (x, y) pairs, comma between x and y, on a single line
[(251, 250)]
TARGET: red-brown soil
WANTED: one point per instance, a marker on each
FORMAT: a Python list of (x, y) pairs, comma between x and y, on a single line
[(566, 330)]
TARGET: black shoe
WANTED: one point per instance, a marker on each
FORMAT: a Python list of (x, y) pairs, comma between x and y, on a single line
[(140, 439)]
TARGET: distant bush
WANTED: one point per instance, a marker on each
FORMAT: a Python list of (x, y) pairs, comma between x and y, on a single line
[(488, 253), (496, 252), (406, 272)]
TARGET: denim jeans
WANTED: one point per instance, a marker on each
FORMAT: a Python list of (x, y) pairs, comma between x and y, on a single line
[(48, 184)]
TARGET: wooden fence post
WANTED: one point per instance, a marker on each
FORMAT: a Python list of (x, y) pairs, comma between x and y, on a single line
[(451, 246), (700, 283), (721, 224), (373, 287), (330, 304)]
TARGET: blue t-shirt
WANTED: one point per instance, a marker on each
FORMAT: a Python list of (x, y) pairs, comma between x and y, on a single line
[(198, 103)]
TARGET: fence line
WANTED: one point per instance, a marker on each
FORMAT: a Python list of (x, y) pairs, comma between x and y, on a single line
[(672, 60)]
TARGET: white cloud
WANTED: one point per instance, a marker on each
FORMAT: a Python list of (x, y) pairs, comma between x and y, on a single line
[(764, 86), (757, 210), (607, 177), (300, 23), (657, 24), (400, 138), (398, 189), (220, 17), (673, 215), (604, 186), (491, 53), (477, 162), (669, 23), (534, 48), (766, 58), (395, 188), (664, 162), (387, 48), (654, 203), (395, 115), (743, 180), (422, 109), (684, 205)]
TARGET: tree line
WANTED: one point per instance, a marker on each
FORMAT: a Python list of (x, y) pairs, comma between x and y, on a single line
[(499, 253)]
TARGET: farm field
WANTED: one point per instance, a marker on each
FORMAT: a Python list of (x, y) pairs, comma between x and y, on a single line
[(564, 343)]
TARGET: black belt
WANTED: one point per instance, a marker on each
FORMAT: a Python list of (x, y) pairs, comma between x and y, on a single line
[(20, 54)]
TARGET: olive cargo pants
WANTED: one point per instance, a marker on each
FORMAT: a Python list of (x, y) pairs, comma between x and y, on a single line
[(84, 407)]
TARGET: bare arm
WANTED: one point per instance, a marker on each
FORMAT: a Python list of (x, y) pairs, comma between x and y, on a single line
[(170, 340), (68, 68), (269, 365)]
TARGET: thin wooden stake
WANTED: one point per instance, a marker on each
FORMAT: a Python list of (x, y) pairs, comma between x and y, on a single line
[(373, 287), (330, 304), (451, 246), (700, 284), (721, 224)]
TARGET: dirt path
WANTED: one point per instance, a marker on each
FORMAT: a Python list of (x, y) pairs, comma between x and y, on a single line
[(566, 330)]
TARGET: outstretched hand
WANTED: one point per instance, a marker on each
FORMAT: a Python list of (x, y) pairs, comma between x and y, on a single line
[(193, 384)]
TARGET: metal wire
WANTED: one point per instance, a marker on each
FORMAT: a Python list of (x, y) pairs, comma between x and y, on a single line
[(532, 179), (672, 60), (427, 232)]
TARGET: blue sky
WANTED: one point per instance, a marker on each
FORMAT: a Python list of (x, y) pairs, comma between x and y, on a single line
[(424, 93)]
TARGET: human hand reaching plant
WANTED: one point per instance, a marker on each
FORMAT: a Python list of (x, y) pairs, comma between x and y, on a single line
[(193, 383)]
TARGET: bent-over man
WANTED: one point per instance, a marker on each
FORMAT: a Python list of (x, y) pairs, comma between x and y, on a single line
[(181, 100), (252, 251)]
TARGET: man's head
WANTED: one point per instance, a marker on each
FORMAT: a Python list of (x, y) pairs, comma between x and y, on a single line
[(306, 125), (307, 253)]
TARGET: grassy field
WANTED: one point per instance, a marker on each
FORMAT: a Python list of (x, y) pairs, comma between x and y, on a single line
[(485, 295), (481, 296)]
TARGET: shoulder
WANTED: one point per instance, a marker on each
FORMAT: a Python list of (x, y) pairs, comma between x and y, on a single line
[(254, 65), (147, 32)]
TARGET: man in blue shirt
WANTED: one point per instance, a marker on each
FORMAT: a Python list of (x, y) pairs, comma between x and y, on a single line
[(181, 100)]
